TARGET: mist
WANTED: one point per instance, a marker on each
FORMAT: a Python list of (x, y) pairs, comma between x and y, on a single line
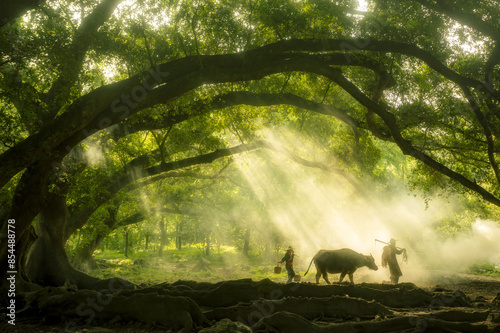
[(94, 153), (325, 211)]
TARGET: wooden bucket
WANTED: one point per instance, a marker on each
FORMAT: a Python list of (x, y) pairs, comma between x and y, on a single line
[(277, 269), (297, 278)]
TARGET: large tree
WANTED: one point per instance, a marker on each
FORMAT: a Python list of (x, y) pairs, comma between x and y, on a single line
[(420, 74)]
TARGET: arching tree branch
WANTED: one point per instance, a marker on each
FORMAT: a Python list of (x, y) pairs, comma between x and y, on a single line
[(14, 9), (469, 19), (115, 184), (70, 69), (113, 103), (406, 147)]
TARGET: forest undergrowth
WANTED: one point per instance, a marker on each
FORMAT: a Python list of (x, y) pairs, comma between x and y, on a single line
[(146, 267)]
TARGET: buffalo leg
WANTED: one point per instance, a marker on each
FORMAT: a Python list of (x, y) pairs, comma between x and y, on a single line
[(342, 275), (351, 277), (325, 276), (318, 275)]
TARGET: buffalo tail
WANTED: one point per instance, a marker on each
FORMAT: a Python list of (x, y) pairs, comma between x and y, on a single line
[(309, 267)]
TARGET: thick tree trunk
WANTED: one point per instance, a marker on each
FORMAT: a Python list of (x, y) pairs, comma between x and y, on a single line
[(47, 263), (13, 9), (83, 256), (26, 205)]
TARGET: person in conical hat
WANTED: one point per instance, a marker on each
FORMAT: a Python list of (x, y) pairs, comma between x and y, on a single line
[(288, 259), (389, 259)]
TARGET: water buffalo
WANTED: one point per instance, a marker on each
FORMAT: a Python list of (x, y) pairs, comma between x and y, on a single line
[(343, 261)]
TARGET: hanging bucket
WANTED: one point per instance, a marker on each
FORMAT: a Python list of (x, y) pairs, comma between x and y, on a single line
[(297, 278), (277, 269)]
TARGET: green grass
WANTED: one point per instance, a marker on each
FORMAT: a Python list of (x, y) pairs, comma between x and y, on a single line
[(192, 264), (486, 269), (188, 263)]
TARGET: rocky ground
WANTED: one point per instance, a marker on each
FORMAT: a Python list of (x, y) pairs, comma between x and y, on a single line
[(444, 302)]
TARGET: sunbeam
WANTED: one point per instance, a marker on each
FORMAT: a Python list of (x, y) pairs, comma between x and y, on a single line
[(315, 209)]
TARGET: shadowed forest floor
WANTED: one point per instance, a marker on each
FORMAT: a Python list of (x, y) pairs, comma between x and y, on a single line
[(446, 302)]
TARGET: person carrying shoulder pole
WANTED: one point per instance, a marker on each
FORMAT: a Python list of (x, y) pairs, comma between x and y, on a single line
[(288, 259), (389, 258)]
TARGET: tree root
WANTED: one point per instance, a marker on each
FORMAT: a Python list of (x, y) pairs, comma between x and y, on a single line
[(289, 322), (83, 306), (309, 308), (262, 306)]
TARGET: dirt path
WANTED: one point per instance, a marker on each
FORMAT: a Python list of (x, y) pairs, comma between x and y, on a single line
[(470, 284)]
